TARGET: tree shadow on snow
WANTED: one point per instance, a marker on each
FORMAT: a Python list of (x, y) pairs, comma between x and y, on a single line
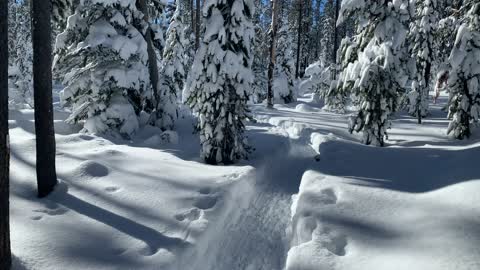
[(414, 170)]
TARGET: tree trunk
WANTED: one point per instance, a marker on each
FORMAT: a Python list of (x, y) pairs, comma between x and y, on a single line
[(299, 38), (152, 56), (192, 16), (273, 45), (335, 39), (197, 25), (42, 85), (5, 252)]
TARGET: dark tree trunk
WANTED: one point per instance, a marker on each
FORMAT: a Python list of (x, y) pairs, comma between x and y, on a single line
[(299, 38), (197, 25), (273, 45), (152, 56), (192, 15), (5, 253), (42, 86), (335, 38)]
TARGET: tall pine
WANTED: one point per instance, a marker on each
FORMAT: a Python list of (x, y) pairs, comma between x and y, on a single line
[(5, 252), (103, 58), (41, 12), (422, 37), (376, 74), (173, 70), (219, 86), (464, 80)]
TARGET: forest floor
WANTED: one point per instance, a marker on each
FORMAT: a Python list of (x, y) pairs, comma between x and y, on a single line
[(310, 197)]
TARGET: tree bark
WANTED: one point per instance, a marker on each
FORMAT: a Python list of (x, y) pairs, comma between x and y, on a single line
[(5, 252), (42, 85), (197, 25), (192, 15), (152, 56), (299, 38), (273, 45), (335, 39)]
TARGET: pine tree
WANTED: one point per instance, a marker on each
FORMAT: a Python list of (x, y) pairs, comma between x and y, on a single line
[(42, 85), (103, 58), (219, 85), (328, 26), (260, 52), (377, 74), (173, 71), (21, 55), (464, 80), (285, 67), (422, 31), (5, 252)]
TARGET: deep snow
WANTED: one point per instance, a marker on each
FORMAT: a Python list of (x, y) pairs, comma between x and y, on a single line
[(151, 204)]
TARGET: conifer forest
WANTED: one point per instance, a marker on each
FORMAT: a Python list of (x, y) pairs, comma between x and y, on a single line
[(239, 134)]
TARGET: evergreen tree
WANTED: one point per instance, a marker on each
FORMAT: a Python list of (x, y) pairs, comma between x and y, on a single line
[(21, 55), (42, 85), (173, 71), (285, 67), (377, 74), (422, 33), (260, 52), (464, 80), (328, 25), (219, 85), (5, 252), (103, 59)]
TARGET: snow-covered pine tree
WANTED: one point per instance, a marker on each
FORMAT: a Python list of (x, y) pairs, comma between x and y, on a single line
[(328, 26), (220, 81), (103, 58), (173, 71), (21, 55), (337, 95), (464, 80), (260, 52), (423, 47), (284, 81), (377, 74)]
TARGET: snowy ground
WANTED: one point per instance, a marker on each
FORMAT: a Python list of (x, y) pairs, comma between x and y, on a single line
[(148, 204)]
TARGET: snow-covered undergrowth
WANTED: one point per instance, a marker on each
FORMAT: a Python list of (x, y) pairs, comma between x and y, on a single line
[(410, 205)]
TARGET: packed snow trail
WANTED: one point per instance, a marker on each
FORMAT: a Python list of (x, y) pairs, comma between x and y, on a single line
[(255, 237)]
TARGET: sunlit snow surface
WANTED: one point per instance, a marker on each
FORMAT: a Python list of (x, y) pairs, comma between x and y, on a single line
[(310, 197)]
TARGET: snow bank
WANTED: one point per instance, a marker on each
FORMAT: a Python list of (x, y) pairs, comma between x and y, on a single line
[(345, 223)]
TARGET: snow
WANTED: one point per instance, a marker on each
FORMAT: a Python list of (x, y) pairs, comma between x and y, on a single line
[(119, 204), (306, 199)]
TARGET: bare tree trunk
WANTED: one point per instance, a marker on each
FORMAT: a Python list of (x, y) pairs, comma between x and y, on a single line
[(273, 45), (197, 26), (5, 252), (152, 56), (192, 16), (335, 39), (299, 38), (42, 85)]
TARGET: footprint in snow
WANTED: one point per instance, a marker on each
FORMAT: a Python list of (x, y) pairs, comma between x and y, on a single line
[(58, 211), (328, 196), (190, 215), (205, 202), (205, 191), (333, 241), (112, 189)]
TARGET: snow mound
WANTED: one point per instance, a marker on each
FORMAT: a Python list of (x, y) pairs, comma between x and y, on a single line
[(90, 169), (342, 223), (305, 108)]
